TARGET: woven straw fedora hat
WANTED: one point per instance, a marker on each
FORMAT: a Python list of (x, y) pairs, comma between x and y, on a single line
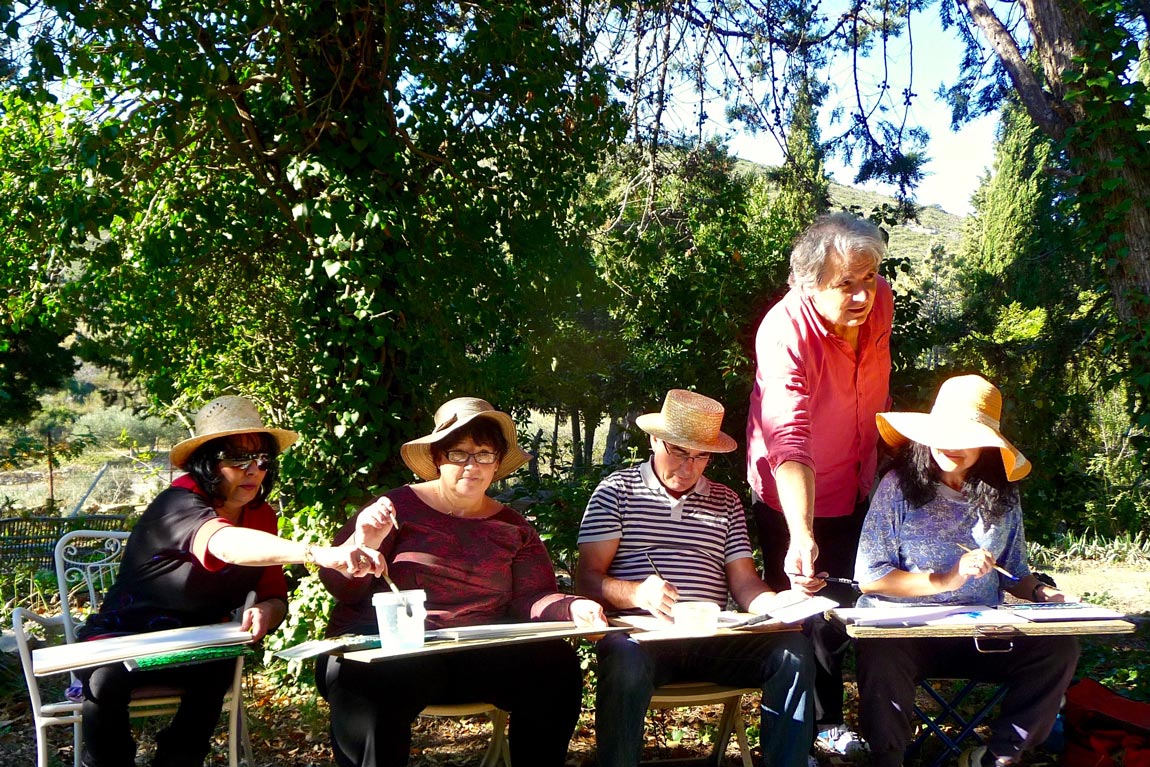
[(691, 420), (452, 416), (224, 416), (967, 413)]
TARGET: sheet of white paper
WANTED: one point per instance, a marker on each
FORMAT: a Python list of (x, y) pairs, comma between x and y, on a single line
[(1063, 611), (925, 615), (981, 616), (98, 652), (317, 647), (802, 609), (494, 630)]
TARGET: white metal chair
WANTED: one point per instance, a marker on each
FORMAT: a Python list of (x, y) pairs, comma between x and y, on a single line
[(44, 715), (683, 694), (86, 565), (498, 752)]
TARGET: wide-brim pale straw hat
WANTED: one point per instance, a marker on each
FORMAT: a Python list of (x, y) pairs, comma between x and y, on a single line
[(967, 413), (452, 416), (690, 420), (222, 417)]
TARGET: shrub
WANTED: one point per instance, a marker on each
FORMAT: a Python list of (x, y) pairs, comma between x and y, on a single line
[(120, 427)]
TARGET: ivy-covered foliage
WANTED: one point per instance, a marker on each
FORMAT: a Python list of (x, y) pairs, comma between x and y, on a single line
[(349, 211)]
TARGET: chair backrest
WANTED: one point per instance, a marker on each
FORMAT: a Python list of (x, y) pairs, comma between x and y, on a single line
[(87, 562)]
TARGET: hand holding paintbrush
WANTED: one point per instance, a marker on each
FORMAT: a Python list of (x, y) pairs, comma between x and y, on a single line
[(993, 564)]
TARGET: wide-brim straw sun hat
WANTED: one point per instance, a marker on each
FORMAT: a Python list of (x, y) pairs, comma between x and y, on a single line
[(690, 420), (450, 418), (967, 413), (222, 417)]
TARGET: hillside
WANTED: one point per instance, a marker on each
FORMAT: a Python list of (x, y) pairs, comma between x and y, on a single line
[(931, 243), (935, 227)]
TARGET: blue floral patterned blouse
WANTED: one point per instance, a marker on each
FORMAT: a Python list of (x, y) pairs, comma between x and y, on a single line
[(897, 536)]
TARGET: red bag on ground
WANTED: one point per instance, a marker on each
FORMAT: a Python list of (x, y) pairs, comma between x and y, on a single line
[(1104, 729)]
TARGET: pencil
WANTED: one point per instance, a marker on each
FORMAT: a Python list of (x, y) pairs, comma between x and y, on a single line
[(996, 567), (653, 566)]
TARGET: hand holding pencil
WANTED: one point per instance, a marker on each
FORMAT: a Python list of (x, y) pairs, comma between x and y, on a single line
[(982, 562), (656, 595)]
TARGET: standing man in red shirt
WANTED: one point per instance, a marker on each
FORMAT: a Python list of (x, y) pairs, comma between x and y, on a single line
[(822, 373)]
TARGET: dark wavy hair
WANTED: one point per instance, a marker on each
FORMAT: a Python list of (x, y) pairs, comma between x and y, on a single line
[(204, 466), (483, 431), (985, 485)]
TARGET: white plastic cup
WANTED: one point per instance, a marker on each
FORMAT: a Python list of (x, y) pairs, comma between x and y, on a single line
[(397, 629), (695, 617)]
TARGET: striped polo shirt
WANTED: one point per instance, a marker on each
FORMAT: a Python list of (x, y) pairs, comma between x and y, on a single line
[(690, 539)]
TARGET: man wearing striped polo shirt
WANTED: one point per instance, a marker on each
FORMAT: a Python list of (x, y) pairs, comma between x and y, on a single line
[(658, 533)]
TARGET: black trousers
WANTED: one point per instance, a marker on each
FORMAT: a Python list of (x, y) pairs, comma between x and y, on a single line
[(1036, 671), (373, 705), (838, 540), (185, 742)]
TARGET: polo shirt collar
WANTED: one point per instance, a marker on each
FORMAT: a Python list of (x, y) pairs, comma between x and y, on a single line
[(647, 472)]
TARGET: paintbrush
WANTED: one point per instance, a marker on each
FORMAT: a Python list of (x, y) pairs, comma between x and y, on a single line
[(996, 567)]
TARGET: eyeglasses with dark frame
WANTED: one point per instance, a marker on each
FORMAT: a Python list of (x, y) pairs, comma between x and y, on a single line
[(682, 456), (461, 457), (243, 460)]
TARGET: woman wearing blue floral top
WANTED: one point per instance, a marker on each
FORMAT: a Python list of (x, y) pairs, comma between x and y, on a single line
[(940, 522)]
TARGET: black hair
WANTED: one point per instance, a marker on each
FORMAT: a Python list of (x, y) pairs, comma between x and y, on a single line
[(204, 466), (985, 486), (483, 431)]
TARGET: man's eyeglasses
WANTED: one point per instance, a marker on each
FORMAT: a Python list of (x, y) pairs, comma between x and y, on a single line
[(682, 456), (244, 460), (461, 457)]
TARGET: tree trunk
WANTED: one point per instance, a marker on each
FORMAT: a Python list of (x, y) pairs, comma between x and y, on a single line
[(554, 442), (615, 434), (618, 438), (576, 442), (590, 426), (1104, 143)]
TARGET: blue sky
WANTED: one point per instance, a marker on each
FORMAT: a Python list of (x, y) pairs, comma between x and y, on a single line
[(958, 160)]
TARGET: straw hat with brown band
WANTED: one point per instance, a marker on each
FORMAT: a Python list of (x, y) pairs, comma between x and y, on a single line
[(222, 417), (690, 420), (452, 416), (967, 413)]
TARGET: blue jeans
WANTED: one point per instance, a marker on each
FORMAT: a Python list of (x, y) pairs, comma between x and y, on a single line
[(781, 664)]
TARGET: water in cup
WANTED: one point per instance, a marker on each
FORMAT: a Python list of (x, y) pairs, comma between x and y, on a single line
[(401, 617)]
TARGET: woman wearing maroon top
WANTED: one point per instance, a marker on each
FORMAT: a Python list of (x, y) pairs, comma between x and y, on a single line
[(479, 562), (192, 558)]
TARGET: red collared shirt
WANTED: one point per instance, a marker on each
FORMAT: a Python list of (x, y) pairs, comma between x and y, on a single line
[(815, 400)]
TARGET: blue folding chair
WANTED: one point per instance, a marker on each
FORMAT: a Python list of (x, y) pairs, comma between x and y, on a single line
[(948, 711)]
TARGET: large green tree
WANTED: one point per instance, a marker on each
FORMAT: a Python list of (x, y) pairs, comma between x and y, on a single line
[(1034, 319), (348, 210), (690, 271), (1088, 92), (1091, 95), (33, 358)]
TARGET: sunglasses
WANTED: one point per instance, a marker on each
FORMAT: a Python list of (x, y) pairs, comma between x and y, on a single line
[(244, 460)]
